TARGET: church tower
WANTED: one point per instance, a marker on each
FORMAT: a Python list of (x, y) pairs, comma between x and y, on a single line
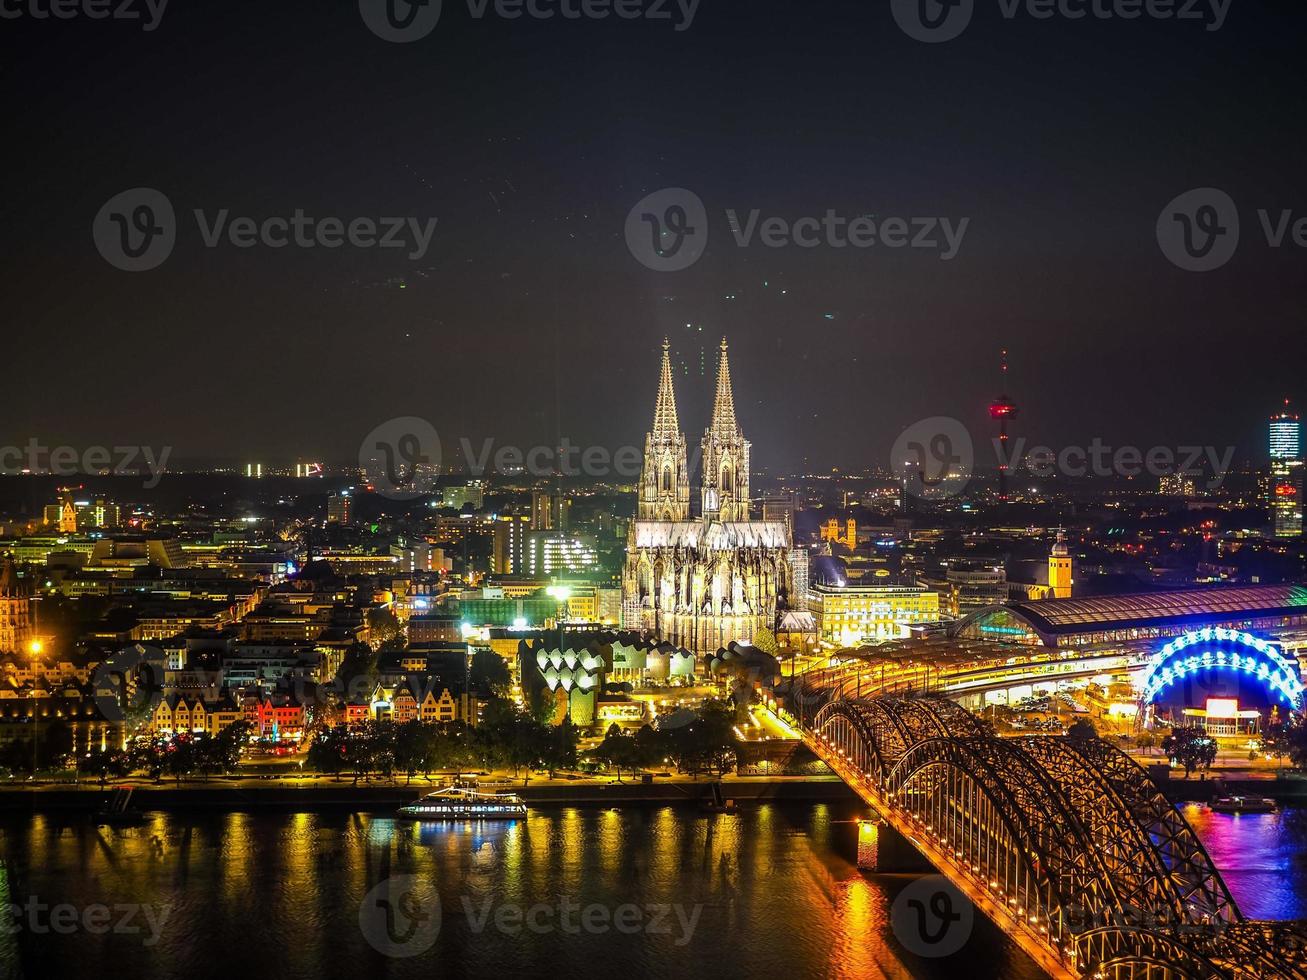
[(1059, 568), (725, 455), (665, 479), (15, 610)]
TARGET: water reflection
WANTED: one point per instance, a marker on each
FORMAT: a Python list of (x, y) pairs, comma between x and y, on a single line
[(1261, 856), (769, 890)]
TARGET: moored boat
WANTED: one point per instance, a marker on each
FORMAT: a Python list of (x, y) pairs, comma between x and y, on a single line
[(1242, 804)]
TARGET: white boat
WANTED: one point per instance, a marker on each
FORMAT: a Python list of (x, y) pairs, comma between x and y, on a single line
[(463, 803)]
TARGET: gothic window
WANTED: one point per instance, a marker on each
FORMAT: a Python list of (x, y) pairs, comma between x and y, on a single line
[(667, 479), (728, 481)]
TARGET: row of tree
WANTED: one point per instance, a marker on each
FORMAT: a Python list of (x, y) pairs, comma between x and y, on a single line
[(703, 743), (508, 738), (513, 738), (182, 756)]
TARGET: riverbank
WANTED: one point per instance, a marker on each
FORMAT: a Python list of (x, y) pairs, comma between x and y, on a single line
[(385, 798), (1286, 789)]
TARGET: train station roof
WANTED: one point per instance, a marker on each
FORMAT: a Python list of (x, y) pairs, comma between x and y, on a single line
[(1051, 619)]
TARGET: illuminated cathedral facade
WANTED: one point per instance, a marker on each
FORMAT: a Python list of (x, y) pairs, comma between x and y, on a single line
[(700, 581)]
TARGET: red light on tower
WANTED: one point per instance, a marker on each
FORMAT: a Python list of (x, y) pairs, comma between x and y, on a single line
[(1002, 409)]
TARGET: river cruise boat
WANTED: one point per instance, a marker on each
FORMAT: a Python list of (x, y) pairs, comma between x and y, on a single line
[(1242, 804), (465, 803)]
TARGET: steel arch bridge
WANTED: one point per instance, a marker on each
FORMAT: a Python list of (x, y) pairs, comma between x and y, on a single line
[(1065, 843)]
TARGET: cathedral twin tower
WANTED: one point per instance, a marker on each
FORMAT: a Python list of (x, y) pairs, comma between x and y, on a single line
[(701, 582), (665, 480)]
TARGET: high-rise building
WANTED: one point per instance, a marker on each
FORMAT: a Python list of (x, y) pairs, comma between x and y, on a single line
[(340, 508), (555, 553), (1286, 483), (550, 511), (510, 543), (458, 497)]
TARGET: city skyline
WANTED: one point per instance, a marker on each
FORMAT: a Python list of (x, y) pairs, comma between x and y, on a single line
[(1059, 263)]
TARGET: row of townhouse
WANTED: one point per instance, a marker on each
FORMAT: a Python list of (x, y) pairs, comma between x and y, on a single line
[(269, 718)]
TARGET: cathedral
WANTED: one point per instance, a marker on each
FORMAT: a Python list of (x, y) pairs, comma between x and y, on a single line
[(702, 581)]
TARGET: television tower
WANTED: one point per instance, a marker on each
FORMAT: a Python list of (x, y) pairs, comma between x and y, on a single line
[(1002, 409)]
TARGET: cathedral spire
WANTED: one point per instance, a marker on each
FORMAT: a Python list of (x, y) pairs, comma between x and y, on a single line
[(723, 409), (665, 478), (666, 423)]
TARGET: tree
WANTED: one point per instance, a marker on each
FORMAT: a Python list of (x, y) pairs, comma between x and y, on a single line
[(560, 747), (1190, 747), (1082, 729), (383, 627), (617, 751), (489, 674), (329, 751), (1146, 741), (1279, 737), (105, 763)]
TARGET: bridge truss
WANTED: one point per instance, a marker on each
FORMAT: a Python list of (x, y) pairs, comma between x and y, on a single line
[(1065, 843)]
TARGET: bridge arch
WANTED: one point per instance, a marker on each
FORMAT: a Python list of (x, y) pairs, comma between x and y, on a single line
[(1067, 842)]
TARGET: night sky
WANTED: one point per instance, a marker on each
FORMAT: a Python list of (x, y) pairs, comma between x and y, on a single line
[(531, 140)]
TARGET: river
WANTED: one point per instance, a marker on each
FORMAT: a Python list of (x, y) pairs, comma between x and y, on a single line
[(640, 893)]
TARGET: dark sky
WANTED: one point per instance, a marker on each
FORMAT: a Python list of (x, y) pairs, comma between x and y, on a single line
[(530, 141)]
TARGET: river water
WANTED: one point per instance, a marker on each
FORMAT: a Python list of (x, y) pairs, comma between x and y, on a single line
[(644, 892)]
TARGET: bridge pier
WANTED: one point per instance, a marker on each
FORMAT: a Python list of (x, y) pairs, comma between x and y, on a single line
[(883, 849)]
